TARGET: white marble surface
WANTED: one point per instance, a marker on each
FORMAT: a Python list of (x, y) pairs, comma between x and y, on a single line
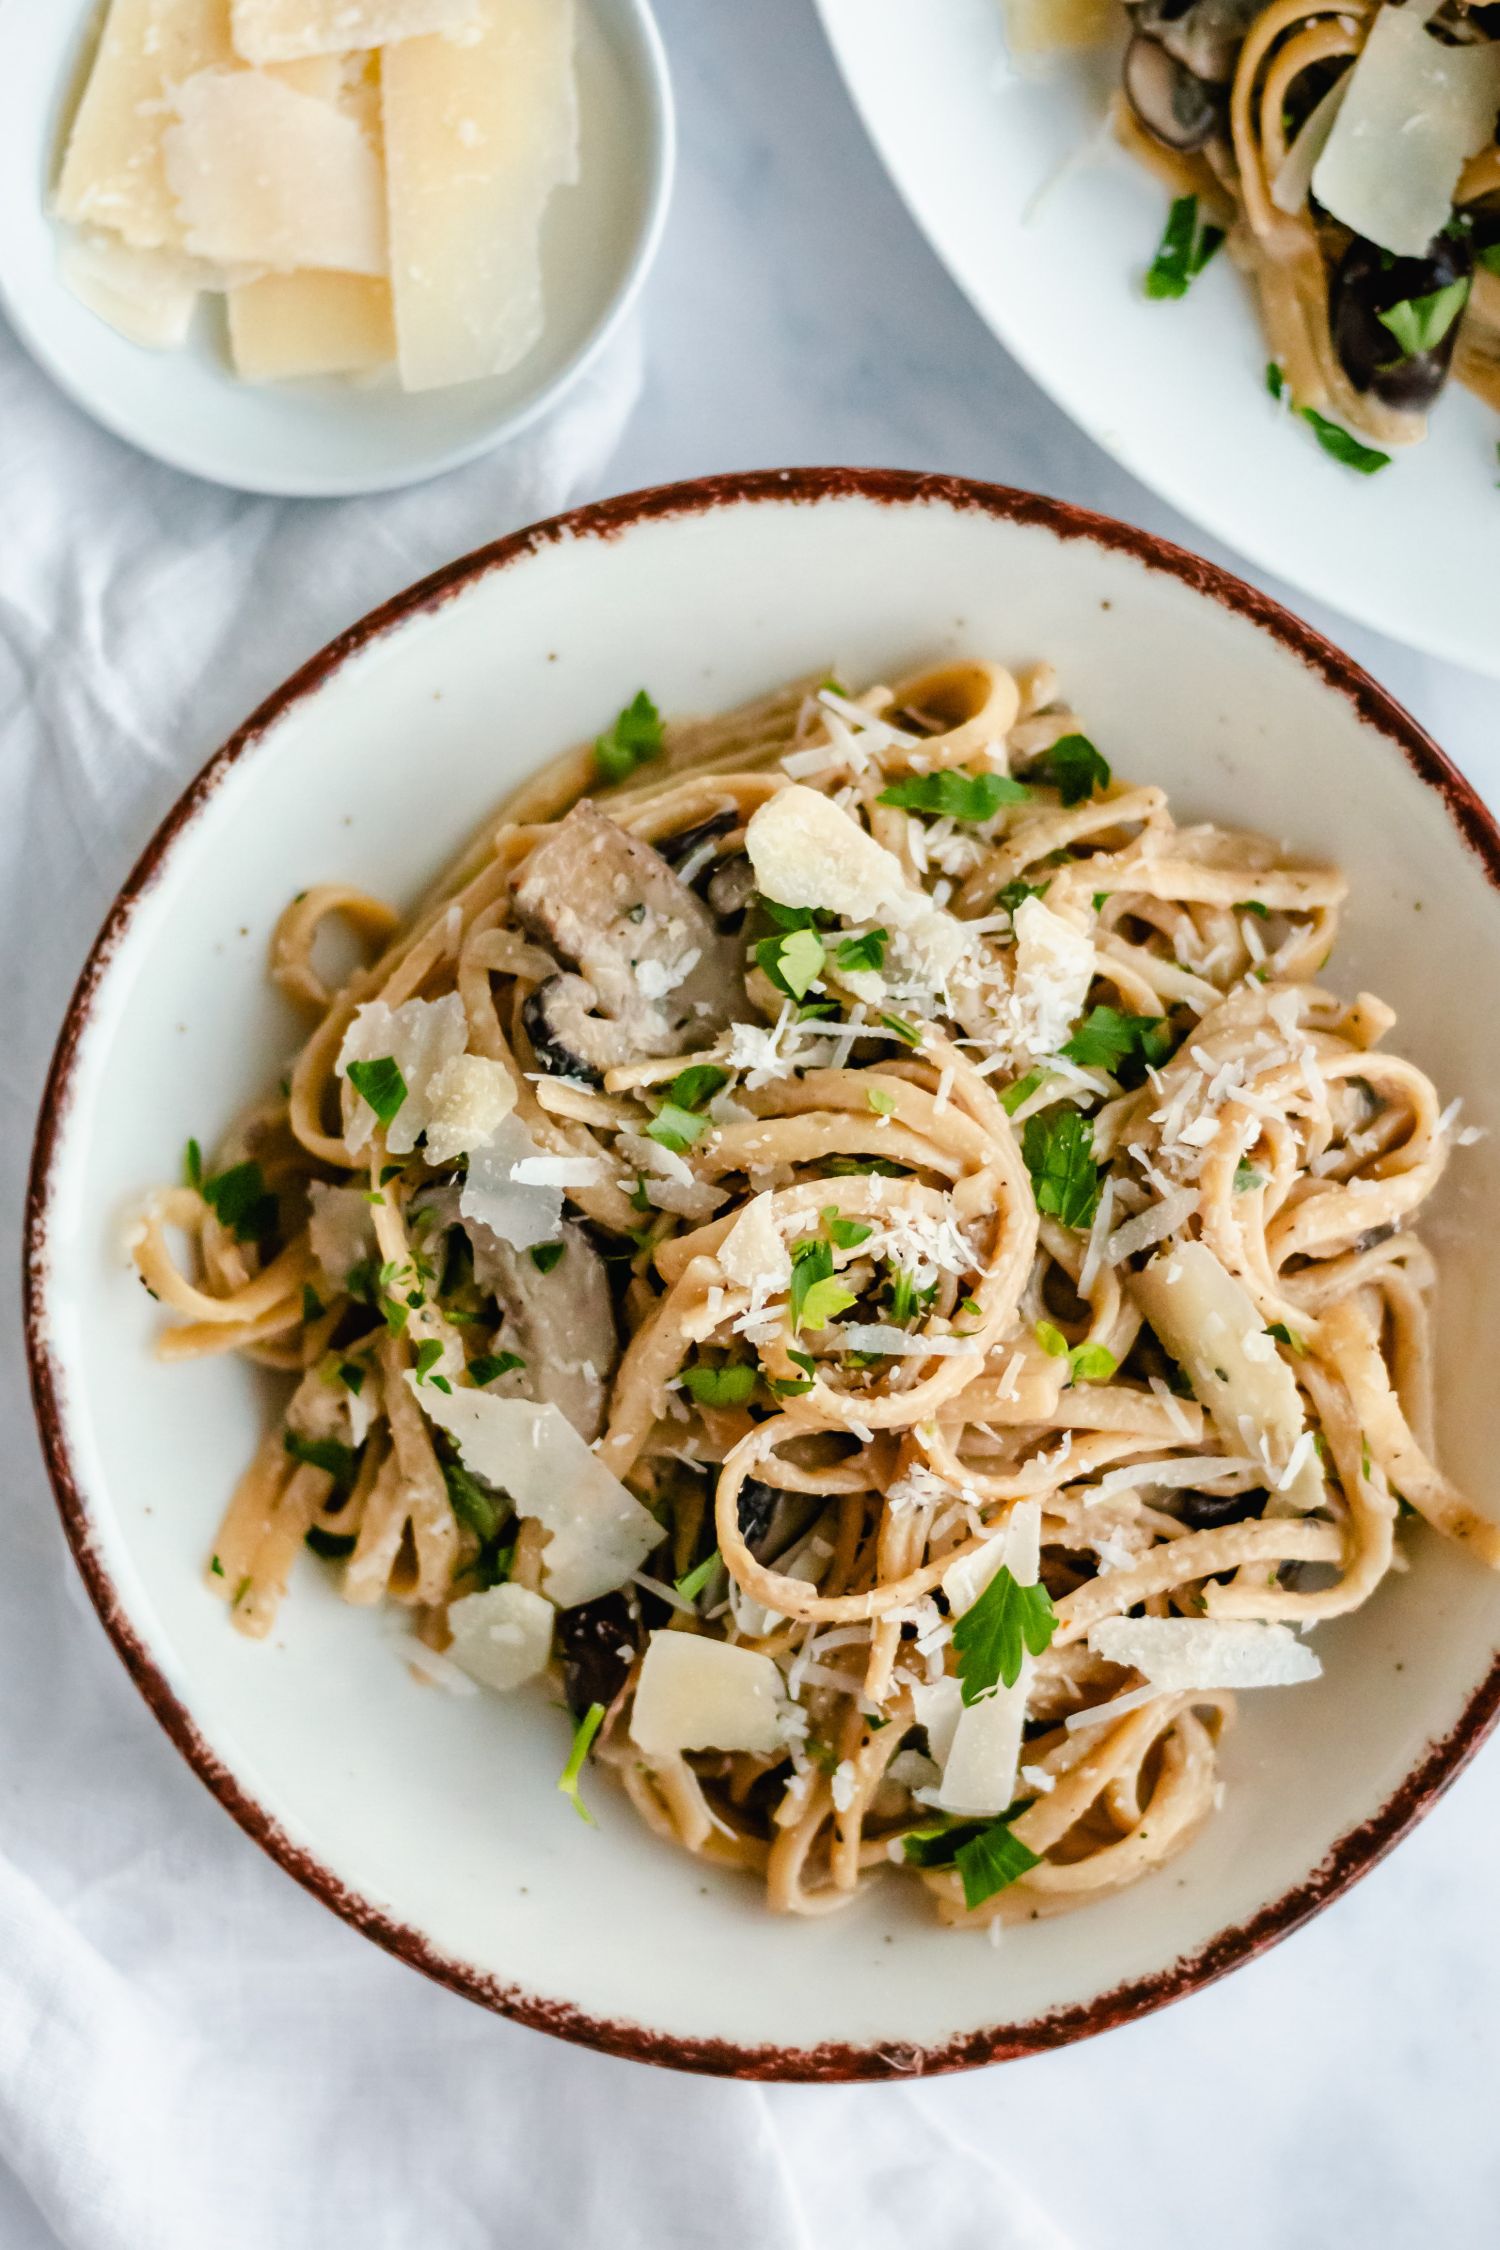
[(1341, 2089)]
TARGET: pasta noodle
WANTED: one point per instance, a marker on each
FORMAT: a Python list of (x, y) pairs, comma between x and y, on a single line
[(854, 1200)]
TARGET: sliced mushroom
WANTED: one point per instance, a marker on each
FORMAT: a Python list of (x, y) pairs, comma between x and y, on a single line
[(1367, 282), (656, 975), (560, 1323), (1205, 36), (726, 880), (1175, 106), (597, 1643)]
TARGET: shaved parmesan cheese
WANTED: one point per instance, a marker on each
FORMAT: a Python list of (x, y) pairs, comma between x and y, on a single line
[(286, 326), (466, 1099), (1151, 1226), (419, 1037), (479, 132), (807, 851), (979, 1768), (269, 31), (501, 1637), (1186, 1653), (753, 1250), (340, 1229), (936, 1705), (1208, 1322), (876, 1336), (600, 1532), (266, 176), (112, 174), (1415, 109), (521, 1212), (698, 1694), (1054, 969), (1290, 186), (149, 296), (559, 1171)]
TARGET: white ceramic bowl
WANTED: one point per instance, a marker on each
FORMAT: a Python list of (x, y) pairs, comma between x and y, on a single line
[(433, 1823), (327, 437), (1048, 227)]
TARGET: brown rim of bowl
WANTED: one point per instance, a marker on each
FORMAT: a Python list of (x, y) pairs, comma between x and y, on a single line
[(1350, 1857)]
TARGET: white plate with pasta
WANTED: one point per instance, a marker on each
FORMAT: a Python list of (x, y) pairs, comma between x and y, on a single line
[(1014, 167), (799, 1254)]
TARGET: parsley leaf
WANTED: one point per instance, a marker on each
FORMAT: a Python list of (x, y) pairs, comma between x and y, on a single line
[(352, 1376), (583, 1735), (240, 1201), (428, 1355), (1074, 767), (816, 1294), (992, 1861), (192, 1165), (785, 1388), (1087, 1363), (335, 1460), (313, 1307), (1343, 446), (490, 1366), (822, 1301), (545, 1255), (1058, 1148), (990, 1637), (480, 1510), (676, 1128), (906, 1032), (1489, 257), (720, 1386), (381, 1084), (635, 737), (1106, 1038), (698, 1084), (1246, 1178), (955, 795), (1287, 1336), (1419, 324), (1021, 1091), (1275, 380), (1016, 894), (792, 961), (845, 1234), (692, 1582), (1183, 252), (880, 1101), (1253, 906), (866, 952)]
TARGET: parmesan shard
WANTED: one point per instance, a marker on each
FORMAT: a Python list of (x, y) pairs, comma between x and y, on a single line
[(1054, 969), (340, 1229), (981, 1761), (113, 174), (501, 1637), (1186, 1653), (149, 296), (479, 131), (1414, 111), (266, 176), (697, 1694), (521, 1212), (419, 1037), (600, 1533), (287, 326), (272, 31), (1208, 1322), (466, 1101), (807, 851), (753, 1250)]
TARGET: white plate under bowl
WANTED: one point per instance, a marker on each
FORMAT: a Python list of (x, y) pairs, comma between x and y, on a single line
[(320, 439), (434, 1823), (1049, 227)]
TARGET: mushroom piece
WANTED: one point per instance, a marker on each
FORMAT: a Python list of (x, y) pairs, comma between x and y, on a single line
[(597, 1644), (1169, 100), (656, 976), (1367, 282), (1205, 36), (561, 1324), (727, 881)]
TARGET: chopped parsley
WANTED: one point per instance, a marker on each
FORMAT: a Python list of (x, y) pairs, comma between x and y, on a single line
[(677, 1128), (241, 1202), (867, 952), (634, 739), (793, 961), (490, 1366), (720, 1386), (955, 795), (1106, 1038), (988, 1855), (1074, 768), (880, 1101), (478, 1509), (1253, 906), (817, 1295), (1016, 894), (428, 1355), (1419, 324), (1246, 1178), (1287, 1336), (991, 1637), (1184, 250), (844, 1234), (216, 1567), (351, 1375), (327, 1454), (1489, 257), (313, 1307), (1342, 445), (698, 1084), (1087, 1363), (381, 1084), (692, 1582), (545, 1255), (192, 1165), (1021, 1091), (1058, 1148), (785, 1387), (583, 1735), (907, 1032)]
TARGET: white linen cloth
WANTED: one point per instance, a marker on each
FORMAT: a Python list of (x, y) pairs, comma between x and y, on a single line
[(193, 2053)]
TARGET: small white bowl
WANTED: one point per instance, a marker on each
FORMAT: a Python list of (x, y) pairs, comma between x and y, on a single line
[(330, 437), (434, 1823)]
